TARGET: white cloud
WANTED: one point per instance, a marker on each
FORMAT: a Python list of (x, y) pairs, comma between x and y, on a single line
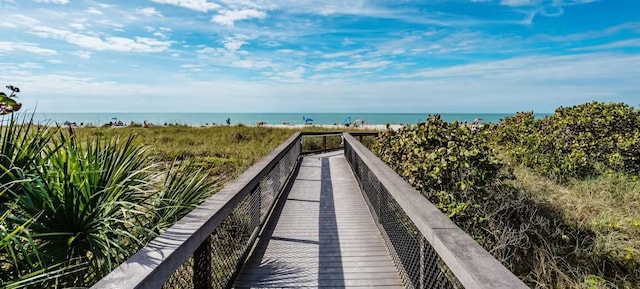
[(539, 83), (149, 11), (233, 43), (369, 64), (228, 17), (518, 2), (347, 42), (83, 54), (78, 26), (329, 65), (245, 4), (55, 61), (160, 35), (29, 65), (16, 20), (347, 53), (295, 73), (95, 11), (587, 68), (6, 47), (612, 45), (197, 5), (251, 63), (138, 44), (52, 1), (7, 24)]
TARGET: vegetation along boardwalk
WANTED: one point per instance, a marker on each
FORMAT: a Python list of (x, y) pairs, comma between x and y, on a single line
[(322, 236), (340, 219)]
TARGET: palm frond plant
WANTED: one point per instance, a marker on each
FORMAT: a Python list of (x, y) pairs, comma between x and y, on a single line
[(72, 208), (86, 195), (23, 148), (99, 201), (183, 187)]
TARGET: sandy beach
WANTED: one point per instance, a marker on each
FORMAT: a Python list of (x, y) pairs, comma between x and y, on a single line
[(376, 127)]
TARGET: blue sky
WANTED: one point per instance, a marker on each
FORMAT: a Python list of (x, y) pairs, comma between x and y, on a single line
[(319, 55)]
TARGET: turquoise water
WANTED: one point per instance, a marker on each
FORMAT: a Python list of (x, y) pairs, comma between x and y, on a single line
[(253, 118)]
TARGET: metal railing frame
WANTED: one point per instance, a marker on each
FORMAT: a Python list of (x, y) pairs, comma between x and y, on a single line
[(156, 262), (150, 267), (471, 264)]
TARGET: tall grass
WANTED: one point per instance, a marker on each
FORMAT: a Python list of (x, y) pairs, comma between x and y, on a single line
[(223, 152), (607, 205)]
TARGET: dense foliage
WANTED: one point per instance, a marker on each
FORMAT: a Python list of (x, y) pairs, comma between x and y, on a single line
[(448, 161), (78, 207), (455, 167), (580, 141)]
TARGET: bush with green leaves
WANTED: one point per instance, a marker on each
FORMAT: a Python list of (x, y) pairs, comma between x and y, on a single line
[(80, 207), (579, 141), (456, 169), (451, 163)]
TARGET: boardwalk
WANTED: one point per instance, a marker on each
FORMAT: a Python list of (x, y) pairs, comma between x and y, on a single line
[(322, 236)]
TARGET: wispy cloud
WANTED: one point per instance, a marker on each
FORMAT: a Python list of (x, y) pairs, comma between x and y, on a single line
[(82, 54), (197, 5), (93, 10), (229, 17), (6, 46), (52, 1), (329, 65), (149, 11), (617, 44), (137, 44), (519, 2), (583, 68), (371, 55), (369, 64)]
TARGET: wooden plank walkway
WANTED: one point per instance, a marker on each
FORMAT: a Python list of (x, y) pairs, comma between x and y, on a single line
[(322, 236)]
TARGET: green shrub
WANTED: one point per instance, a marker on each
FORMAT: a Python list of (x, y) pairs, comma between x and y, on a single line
[(451, 163), (455, 168), (580, 141)]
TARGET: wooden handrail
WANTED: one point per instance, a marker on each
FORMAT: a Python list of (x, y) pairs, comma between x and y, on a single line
[(153, 264), (471, 264)]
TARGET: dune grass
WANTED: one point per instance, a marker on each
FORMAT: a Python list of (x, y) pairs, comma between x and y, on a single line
[(607, 205), (224, 152)]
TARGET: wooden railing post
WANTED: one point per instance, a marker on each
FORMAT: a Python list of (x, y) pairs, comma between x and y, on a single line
[(324, 142), (202, 265)]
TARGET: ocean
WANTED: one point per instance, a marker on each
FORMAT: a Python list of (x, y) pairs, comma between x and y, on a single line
[(197, 119)]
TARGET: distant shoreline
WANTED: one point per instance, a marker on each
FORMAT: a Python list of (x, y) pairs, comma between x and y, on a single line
[(271, 119)]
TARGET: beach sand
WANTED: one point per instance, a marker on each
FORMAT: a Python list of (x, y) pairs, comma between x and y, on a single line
[(375, 127)]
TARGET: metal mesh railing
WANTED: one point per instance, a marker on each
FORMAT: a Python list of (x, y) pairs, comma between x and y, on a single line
[(218, 259), (320, 142), (418, 263), (428, 249), (206, 248)]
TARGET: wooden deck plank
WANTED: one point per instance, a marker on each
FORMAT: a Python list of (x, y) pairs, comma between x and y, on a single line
[(322, 236)]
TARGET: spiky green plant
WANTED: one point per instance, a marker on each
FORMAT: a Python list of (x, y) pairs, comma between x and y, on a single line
[(183, 187), (23, 147), (83, 196), (99, 201)]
